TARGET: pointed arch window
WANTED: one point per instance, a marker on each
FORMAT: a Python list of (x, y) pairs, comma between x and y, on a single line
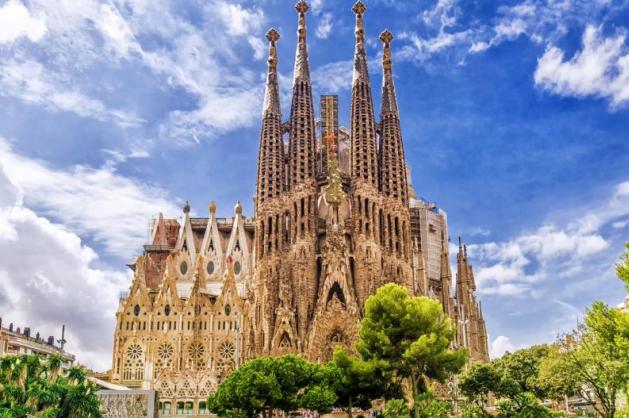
[(134, 363)]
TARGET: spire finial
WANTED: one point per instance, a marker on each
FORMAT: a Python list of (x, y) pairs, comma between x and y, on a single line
[(302, 70), (359, 9), (460, 242), (302, 7), (386, 37), (212, 207), (238, 208), (186, 207), (273, 36)]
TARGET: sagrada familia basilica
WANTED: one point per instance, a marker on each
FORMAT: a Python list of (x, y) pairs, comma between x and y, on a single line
[(335, 218)]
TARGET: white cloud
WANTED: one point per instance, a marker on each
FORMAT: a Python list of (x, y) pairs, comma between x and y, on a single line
[(94, 202), (519, 265), (86, 37), (47, 279), (601, 69), (500, 346), (325, 26), (620, 224), (32, 83), (238, 20), (333, 77), (16, 21)]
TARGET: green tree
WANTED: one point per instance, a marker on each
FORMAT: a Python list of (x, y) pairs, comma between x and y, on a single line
[(556, 375), (522, 367), (355, 382), (474, 410), (622, 267), (596, 353), (426, 406), (524, 405), (396, 408), (266, 384), (411, 336), (480, 381), (31, 386)]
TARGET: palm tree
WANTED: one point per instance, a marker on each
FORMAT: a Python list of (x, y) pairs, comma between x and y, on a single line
[(34, 387)]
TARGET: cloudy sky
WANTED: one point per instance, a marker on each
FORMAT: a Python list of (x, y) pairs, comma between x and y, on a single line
[(515, 119)]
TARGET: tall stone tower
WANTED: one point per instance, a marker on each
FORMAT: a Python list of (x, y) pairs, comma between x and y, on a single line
[(335, 218), (326, 241)]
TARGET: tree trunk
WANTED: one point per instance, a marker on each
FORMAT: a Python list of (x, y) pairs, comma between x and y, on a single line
[(349, 408)]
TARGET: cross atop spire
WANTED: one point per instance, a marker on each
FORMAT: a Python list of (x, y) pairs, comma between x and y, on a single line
[(273, 36), (302, 7), (386, 37), (359, 9)]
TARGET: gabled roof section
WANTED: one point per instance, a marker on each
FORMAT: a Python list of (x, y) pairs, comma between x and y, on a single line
[(212, 239), (238, 237), (186, 235)]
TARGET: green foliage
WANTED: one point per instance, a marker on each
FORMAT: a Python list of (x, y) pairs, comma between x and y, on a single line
[(426, 406), (622, 268), (396, 408), (596, 353), (524, 405), (410, 335), (33, 386), (265, 384), (356, 382), (556, 376), (483, 379), (523, 368), (474, 410)]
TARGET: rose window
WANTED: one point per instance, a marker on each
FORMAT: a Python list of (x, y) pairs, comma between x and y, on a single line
[(134, 351), (226, 350), (196, 355), (164, 356)]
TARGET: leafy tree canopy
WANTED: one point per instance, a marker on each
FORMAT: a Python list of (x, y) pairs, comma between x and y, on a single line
[(411, 335), (524, 405), (33, 386), (523, 368), (484, 379), (265, 384), (356, 382)]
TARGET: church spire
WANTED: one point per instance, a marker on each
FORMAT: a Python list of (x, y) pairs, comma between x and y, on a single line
[(389, 101), (364, 162), (393, 175), (271, 152), (272, 94), (302, 144)]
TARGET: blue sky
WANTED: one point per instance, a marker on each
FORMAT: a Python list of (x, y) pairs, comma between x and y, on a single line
[(515, 117)]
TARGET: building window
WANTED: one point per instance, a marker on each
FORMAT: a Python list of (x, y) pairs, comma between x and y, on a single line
[(185, 408), (165, 409), (165, 354), (136, 310), (134, 363), (227, 310), (237, 267), (183, 267), (210, 268), (203, 408), (167, 310), (196, 356)]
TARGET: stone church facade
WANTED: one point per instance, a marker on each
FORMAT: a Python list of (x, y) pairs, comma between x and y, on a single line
[(335, 218)]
